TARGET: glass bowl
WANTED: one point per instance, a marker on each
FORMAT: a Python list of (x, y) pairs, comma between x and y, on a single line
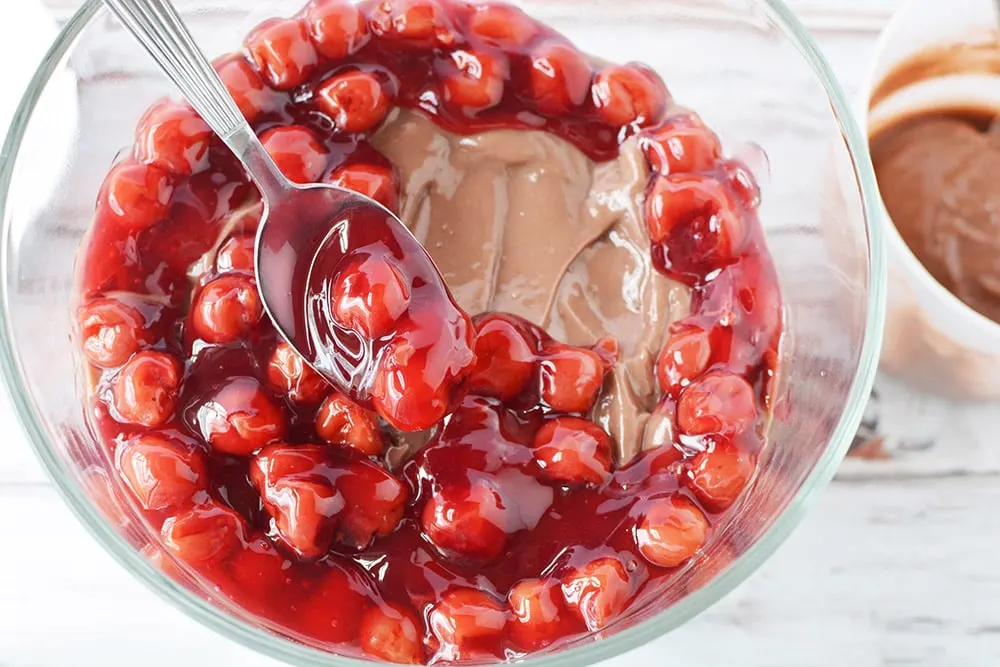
[(747, 66)]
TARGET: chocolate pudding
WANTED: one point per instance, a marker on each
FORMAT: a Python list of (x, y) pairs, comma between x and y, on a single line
[(523, 222), (937, 173), (936, 168)]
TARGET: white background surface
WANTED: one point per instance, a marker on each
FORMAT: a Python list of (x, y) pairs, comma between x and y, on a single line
[(897, 566)]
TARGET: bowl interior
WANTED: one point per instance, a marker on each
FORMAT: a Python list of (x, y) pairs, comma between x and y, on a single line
[(746, 66)]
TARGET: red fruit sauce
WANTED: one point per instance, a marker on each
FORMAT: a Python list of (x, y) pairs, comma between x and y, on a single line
[(512, 530), (374, 317)]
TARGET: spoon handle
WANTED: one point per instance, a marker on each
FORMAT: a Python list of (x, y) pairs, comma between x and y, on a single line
[(161, 31)]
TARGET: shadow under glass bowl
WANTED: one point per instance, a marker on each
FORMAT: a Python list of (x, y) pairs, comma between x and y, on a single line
[(747, 66)]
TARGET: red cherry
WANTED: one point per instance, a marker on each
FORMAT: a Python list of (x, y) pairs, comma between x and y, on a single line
[(463, 616), (685, 356), (409, 392), (302, 501), (719, 300), (392, 632), (538, 615), (469, 522), (718, 402), (112, 331), (408, 404), (571, 450), (356, 101), (282, 52), (671, 531), (742, 182), (559, 78), (693, 223), (412, 23), (173, 137), (503, 26), (288, 373), (204, 533), (719, 475), (333, 612), (162, 473), (236, 255), (475, 80), (745, 296), (373, 181), (682, 144), (375, 503), (340, 421), (282, 461), (245, 86), (299, 154), (145, 389), (627, 94), (258, 577), (226, 309), (598, 591), (505, 360), (570, 377), (240, 418), (137, 195), (338, 28), (370, 294), (305, 514)]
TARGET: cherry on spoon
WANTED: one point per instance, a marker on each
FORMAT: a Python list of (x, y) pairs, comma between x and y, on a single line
[(343, 280)]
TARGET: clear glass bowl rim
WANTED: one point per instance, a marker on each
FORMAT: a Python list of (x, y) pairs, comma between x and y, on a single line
[(620, 642)]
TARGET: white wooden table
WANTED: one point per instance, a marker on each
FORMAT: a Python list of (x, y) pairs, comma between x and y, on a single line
[(897, 566)]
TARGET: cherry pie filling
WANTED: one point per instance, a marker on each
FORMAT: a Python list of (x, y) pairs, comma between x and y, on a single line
[(512, 529)]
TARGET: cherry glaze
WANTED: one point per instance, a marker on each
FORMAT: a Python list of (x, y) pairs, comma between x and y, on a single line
[(511, 531), (369, 311)]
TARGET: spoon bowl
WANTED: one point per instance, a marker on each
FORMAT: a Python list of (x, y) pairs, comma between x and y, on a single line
[(303, 243)]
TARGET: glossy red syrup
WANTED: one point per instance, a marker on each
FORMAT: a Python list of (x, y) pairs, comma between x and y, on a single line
[(512, 530), (360, 298)]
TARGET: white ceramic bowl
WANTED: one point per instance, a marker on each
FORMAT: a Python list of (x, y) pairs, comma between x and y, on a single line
[(933, 339)]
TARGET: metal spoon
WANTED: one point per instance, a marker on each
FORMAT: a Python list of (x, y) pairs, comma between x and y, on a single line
[(297, 219)]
